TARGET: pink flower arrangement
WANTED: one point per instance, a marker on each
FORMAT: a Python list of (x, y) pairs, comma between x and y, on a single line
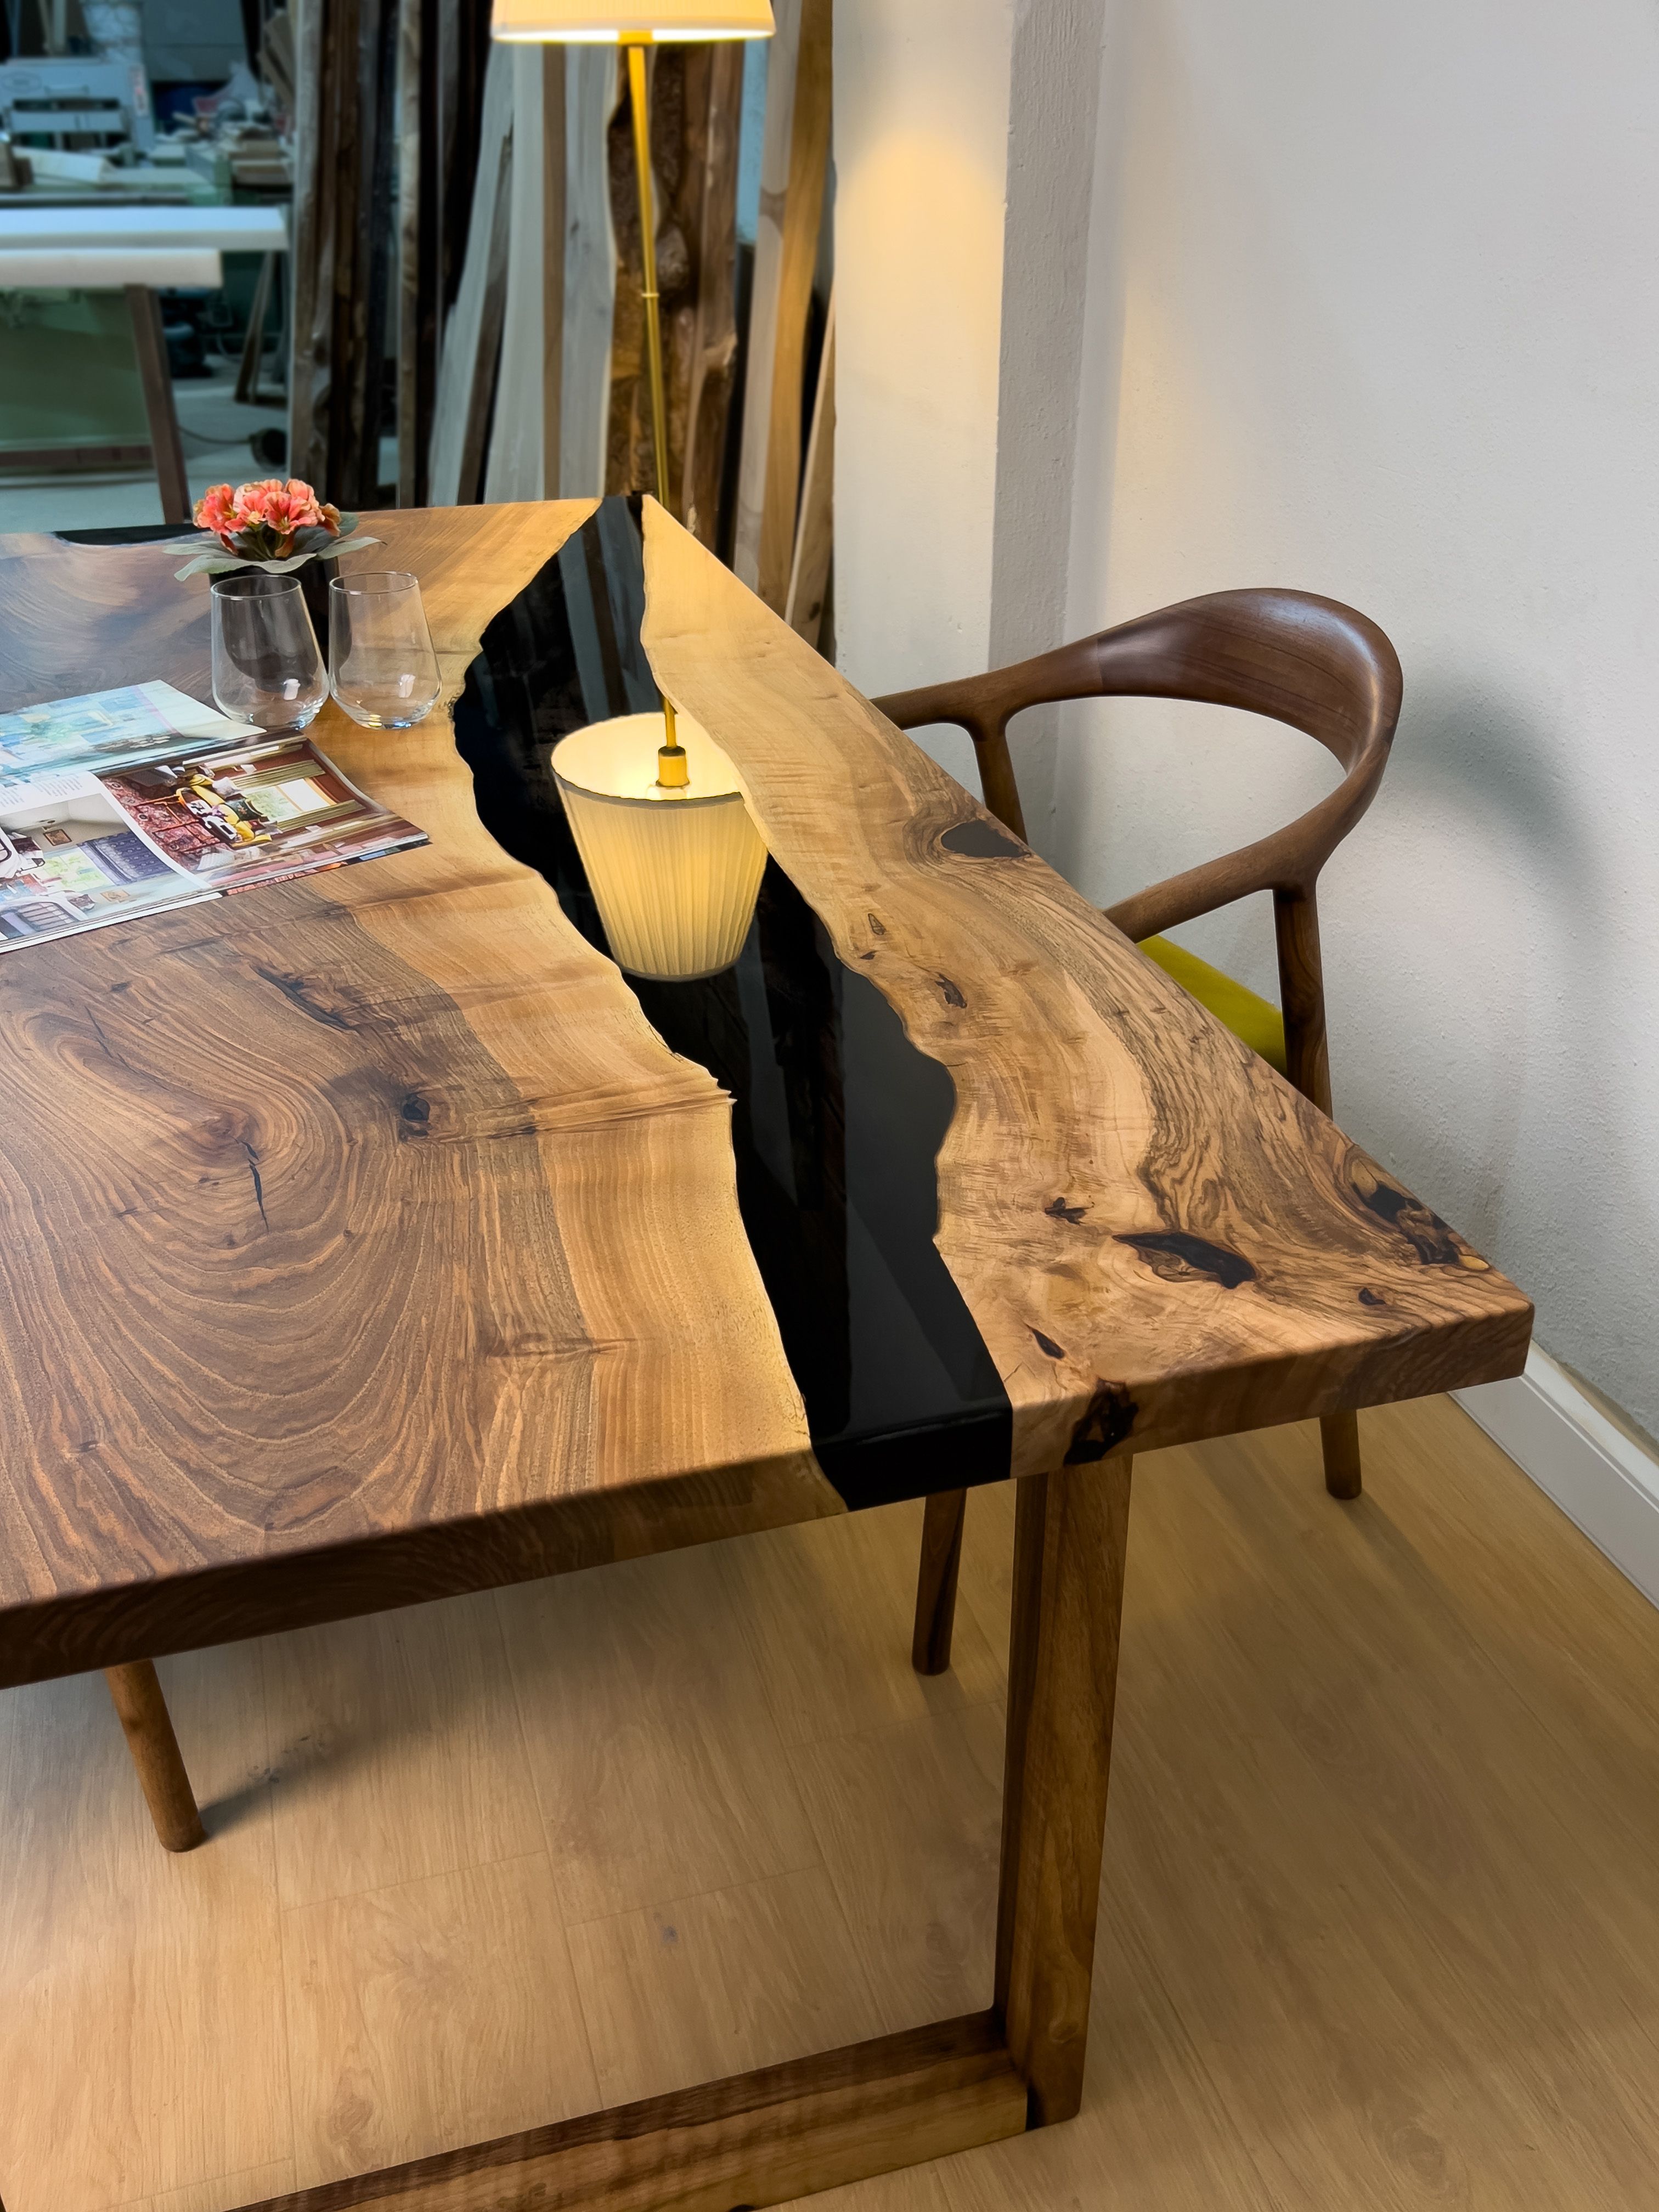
[(271, 524), (269, 520)]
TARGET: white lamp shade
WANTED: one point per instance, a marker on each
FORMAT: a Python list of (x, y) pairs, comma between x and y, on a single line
[(676, 875), (655, 19)]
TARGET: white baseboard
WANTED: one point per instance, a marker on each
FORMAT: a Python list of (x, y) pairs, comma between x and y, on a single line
[(1601, 1478)]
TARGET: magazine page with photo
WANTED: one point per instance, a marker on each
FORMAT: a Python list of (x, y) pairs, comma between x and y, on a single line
[(72, 859), (257, 814), (160, 802), (108, 726)]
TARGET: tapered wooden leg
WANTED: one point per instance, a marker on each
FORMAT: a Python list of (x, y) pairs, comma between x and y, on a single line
[(1070, 1536), (254, 344), (1340, 1435), (166, 444), (149, 1728), (936, 1581)]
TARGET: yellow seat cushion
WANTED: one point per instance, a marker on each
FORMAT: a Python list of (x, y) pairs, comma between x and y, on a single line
[(1260, 1024)]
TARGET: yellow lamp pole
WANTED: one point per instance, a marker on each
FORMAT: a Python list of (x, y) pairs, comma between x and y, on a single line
[(616, 21), (672, 773)]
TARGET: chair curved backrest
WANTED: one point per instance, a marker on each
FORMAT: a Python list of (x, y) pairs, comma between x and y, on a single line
[(1318, 666)]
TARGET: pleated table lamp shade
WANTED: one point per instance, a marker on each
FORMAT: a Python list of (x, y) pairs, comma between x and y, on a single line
[(654, 19), (675, 874)]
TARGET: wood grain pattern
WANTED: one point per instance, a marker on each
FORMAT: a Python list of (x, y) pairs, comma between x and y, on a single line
[(527, 432), (1070, 1539), (815, 528), (166, 445), (717, 1984), (1319, 666), (93, 2115), (704, 333), (1159, 1238), (422, 1991), (482, 1326), (471, 345), (753, 2139), (937, 1569), (793, 160)]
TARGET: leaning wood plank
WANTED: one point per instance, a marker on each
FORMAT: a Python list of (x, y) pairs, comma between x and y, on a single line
[(311, 262), (809, 575), (167, 445), (794, 166), (524, 440), (714, 122), (490, 1311), (1159, 1238), (753, 2139), (590, 269), (472, 336)]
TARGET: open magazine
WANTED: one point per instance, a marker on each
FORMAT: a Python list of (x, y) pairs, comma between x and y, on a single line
[(132, 802)]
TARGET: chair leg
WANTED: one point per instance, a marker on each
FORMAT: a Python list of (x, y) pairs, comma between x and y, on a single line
[(936, 1581), (1340, 1435), (148, 1726), (1301, 996)]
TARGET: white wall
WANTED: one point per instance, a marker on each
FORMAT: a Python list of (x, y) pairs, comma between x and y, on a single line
[(922, 123), (1369, 305), (1375, 310)]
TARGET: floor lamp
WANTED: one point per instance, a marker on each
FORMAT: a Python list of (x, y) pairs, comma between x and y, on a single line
[(671, 893)]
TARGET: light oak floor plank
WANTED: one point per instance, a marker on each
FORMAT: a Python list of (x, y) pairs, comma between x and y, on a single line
[(693, 1991), (910, 1819), (141, 2044), (856, 1582), (226, 2194), (1379, 1926), (443, 2012), (656, 1761), (408, 1706)]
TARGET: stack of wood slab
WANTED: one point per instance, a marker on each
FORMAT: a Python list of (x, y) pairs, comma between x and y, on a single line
[(387, 106), (774, 510), (345, 87)]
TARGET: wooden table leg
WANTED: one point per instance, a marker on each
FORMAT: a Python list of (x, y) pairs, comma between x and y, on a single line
[(166, 445), (254, 344), (149, 1728), (1338, 1434), (936, 1581), (768, 2138), (1070, 1534)]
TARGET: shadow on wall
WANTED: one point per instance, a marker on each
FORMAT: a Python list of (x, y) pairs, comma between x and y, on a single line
[(1474, 780)]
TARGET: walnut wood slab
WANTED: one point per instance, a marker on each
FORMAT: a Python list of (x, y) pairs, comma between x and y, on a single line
[(1159, 1238), (394, 1253), (359, 1240)]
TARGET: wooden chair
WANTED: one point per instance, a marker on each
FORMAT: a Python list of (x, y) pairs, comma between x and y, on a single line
[(1319, 667)]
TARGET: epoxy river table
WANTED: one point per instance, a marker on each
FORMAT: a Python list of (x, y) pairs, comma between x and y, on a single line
[(371, 1238)]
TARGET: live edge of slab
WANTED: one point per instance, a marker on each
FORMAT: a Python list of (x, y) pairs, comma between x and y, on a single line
[(394, 1253)]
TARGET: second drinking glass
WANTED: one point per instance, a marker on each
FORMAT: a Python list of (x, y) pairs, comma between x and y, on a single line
[(380, 662)]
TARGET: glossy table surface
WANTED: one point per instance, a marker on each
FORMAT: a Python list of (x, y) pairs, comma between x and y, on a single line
[(371, 1237)]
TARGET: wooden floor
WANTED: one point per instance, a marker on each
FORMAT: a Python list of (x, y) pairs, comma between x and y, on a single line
[(1380, 1918)]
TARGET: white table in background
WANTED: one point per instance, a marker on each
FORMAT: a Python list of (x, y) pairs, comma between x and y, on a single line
[(101, 247)]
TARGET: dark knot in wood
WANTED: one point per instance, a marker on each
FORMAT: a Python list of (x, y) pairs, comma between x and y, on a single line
[(1110, 1418), (1173, 1254), (979, 839)]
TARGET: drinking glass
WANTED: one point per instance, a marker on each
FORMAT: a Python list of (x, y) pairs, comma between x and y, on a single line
[(266, 667), (380, 660)]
